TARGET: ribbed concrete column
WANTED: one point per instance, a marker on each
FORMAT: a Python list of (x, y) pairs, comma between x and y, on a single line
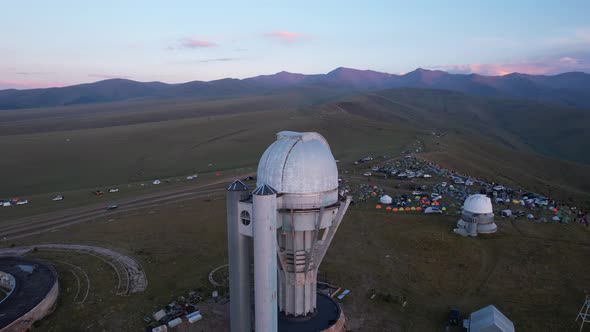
[(264, 234), (238, 246)]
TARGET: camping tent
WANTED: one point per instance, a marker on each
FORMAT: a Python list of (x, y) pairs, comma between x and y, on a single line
[(506, 213), (431, 209), (489, 319), (385, 199)]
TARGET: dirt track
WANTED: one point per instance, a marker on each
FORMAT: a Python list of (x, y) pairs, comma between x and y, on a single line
[(47, 222)]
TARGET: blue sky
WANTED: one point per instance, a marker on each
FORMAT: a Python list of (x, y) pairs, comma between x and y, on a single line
[(56, 43)]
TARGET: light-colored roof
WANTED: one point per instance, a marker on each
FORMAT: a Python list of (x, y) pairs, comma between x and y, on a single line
[(298, 163), (478, 203), (490, 319), (385, 199)]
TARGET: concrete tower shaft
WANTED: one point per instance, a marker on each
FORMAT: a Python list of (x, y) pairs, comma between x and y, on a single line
[(303, 239), (264, 230), (239, 260)]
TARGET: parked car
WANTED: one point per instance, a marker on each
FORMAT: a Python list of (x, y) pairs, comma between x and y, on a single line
[(58, 198), (113, 190), (22, 202), (112, 207), (98, 192)]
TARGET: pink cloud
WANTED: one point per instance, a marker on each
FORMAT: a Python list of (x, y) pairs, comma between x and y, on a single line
[(30, 73), (285, 36), (28, 84), (547, 66), (197, 43)]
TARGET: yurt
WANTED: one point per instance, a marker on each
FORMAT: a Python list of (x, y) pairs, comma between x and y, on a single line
[(477, 216), (385, 199)]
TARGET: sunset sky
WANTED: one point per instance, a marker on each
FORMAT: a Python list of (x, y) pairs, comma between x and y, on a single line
[(57, 43)]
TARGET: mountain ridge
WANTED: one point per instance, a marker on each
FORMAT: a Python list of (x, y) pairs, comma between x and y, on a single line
[(572, 88)]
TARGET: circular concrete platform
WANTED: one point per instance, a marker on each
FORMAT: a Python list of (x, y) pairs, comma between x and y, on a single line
[(328, 317), (34, 294)]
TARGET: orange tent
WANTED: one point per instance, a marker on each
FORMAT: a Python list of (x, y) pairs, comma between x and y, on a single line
[(554, 210), (394, 209), (388, 208), (418, 209), (377, 206), (408, 209)]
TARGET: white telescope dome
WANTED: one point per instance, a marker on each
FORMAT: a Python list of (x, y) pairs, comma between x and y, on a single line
[(298, 163), (480, 204)]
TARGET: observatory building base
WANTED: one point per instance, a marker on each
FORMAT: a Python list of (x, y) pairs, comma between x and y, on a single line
[(328, 317)]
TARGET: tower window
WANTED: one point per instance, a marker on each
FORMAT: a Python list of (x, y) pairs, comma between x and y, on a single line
[(245, 218)]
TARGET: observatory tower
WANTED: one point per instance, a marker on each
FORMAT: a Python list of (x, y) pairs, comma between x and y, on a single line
[(291, 218)]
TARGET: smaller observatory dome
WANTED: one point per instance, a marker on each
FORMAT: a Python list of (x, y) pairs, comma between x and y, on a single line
[(479, 204), (298, 163)]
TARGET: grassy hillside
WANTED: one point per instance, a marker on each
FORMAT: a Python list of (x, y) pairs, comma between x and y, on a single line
[(524, 269), (548, 129), (84, 147), (564, 180), (83, 158)]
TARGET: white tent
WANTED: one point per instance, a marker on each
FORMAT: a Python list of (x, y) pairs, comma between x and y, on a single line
[(385, 199), (156, 182), (431, 209), (489, 319)]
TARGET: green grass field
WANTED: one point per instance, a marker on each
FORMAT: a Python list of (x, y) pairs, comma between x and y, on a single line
[(524, 269), (527, 269)]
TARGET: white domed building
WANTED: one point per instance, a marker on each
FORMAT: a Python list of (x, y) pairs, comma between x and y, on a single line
[(477, 216), (300, 166), (290, 219)]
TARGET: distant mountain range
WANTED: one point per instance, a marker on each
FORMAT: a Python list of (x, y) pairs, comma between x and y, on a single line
[(572, 89)]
